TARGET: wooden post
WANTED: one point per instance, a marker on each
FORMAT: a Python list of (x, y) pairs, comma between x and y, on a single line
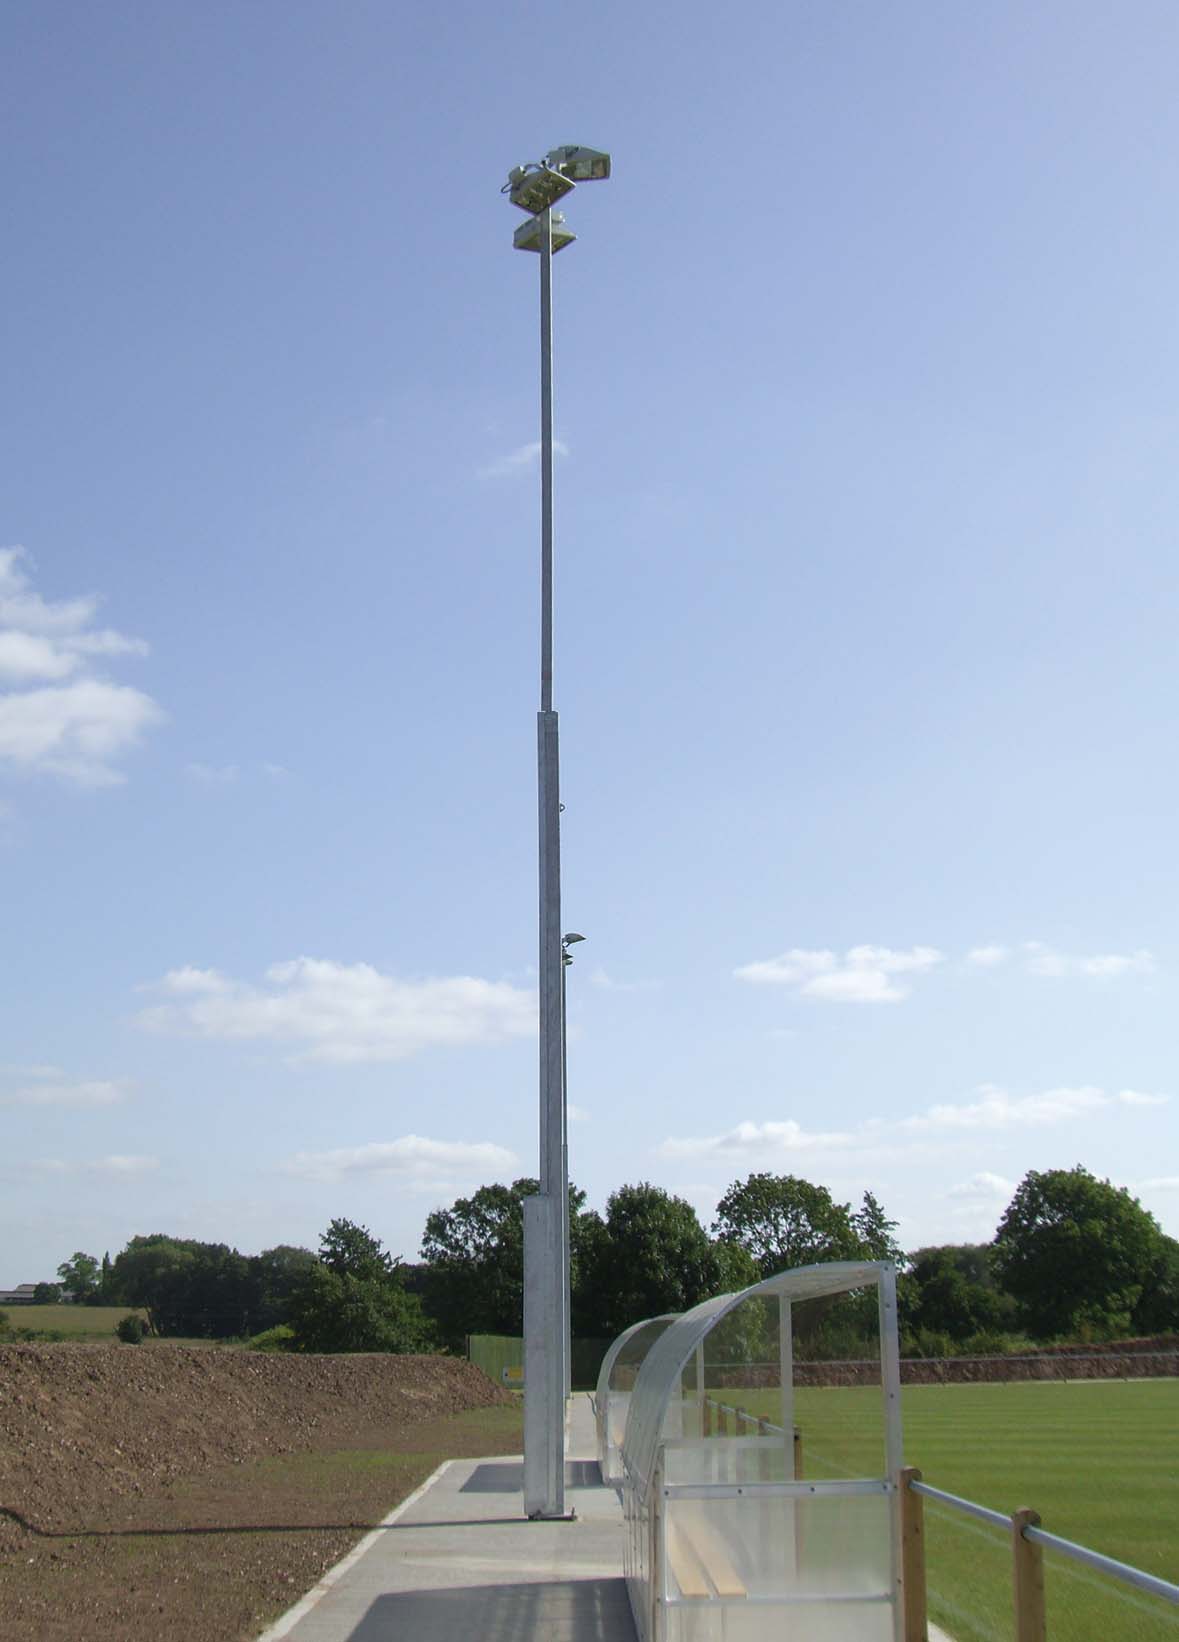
[(916, 1625), (1028, 1579)]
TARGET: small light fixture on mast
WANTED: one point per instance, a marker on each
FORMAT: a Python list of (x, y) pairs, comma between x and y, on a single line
[(529, 234), (578, 163), (536, 188)]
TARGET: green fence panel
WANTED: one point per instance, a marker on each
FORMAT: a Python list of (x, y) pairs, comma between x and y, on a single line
[(495, 1353)]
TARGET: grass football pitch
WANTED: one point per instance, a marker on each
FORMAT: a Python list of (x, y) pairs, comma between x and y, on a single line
[(1099, 1460)]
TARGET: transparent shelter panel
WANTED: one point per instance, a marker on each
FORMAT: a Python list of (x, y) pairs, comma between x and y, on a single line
[(838, 1385), (786, 1549), (616, 1380), (755, 1459), (816, 1622), (742, 1369)]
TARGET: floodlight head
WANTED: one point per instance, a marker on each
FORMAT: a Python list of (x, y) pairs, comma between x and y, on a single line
[(534, 188), (568, 940), (578, 163), (530, 235)]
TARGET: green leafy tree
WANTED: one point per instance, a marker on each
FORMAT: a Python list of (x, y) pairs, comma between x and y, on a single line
[(1157, 1311), (277, 1274), (188, 1288), (152, 1272), (736, 1268), (46, 1294), (79, 1276), (353, 1298), (943, 1295), (352, 1251), (876, 1233), (104, 1294), (1076, 1253), (652, 1256), (331, 1312), (784, 1221), (472, 1277)]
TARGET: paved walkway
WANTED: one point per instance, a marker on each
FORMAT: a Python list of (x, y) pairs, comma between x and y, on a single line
[(459, 1559)]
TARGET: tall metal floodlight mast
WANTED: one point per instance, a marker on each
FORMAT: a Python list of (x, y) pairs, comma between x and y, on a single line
[(536, 188)]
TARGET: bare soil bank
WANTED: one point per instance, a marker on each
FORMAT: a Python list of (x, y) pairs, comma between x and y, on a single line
[(180, 1492)]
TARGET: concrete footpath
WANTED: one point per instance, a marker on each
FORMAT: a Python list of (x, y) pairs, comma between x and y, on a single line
[(459, 1559)]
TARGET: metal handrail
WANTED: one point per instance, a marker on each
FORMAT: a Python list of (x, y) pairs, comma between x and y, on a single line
[(1106, 1564), (967, 1506), (1039, 1536)]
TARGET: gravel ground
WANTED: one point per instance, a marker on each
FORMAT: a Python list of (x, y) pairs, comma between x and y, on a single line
[(188, 1493)]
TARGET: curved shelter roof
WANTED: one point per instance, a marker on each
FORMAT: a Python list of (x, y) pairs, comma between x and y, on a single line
[(655, 1324), (658, 1380)]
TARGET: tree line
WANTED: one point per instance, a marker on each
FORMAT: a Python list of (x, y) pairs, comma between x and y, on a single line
[(1074, 1258)]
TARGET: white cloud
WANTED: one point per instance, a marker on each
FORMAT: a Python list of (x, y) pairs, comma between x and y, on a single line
[(123, 1163), (26, 611), (413, 1159), (995, 1111), (986, 957), (25, 656), (577, 1114), (518, 460), (57, 715), (753, 1140), (864, 974), (339, 1012), (998, 1110), (189, 979), (96, 1092), (983, 1187), (275, 771), (1042, 960), (1160, 1183), (1135, 1097), (75, 731)]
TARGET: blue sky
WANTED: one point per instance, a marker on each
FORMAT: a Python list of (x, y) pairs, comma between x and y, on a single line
[(866, 604)]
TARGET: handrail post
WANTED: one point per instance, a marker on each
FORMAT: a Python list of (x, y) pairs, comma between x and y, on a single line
[(797, 1455), (706, 1417), (916, 1624), (1027, 1579)]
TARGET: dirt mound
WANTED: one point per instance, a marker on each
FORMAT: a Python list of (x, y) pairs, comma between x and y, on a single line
[(82, 1427)]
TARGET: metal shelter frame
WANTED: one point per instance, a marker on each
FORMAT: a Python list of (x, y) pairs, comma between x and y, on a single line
[(724, 1538)]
